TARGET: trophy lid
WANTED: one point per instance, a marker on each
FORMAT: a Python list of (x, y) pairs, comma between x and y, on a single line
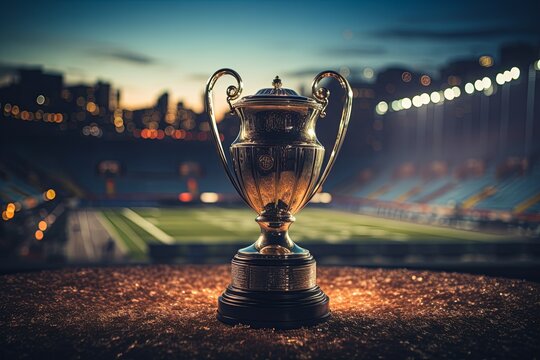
[(277, 96)]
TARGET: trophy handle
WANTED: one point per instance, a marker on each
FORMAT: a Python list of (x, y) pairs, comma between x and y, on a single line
[(321, 94), (233, 93)]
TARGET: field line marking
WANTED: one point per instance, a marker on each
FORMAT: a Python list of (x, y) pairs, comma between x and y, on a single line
[(148, 226), (112, 232), (126, 229)]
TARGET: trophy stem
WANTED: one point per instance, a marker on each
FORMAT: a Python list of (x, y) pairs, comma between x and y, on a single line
[(274, 238)]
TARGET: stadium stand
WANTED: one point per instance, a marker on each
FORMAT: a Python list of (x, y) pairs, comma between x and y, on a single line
[(471, 187)]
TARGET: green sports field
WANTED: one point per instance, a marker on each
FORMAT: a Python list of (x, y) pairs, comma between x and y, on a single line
[(134, 228)]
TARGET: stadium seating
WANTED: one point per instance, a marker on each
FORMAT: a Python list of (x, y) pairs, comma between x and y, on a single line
[(485, 191)]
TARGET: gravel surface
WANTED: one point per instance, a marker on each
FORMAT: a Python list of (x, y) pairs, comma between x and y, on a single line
[(169, 312)]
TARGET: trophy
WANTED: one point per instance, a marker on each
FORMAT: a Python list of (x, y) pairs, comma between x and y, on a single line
[(276, 170)]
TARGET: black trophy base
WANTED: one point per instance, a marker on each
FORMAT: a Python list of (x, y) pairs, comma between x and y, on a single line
[(273, 309)]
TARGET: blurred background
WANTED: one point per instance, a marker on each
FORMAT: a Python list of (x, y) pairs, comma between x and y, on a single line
[(106, 155)]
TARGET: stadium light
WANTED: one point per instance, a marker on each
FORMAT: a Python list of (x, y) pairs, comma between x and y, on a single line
[(478, 85), (406, 103), (323, 198), (417, 101), (515, 73), (486, 82), (485, 85), (435, 97), (537, 65), (382, 108), (425, 98), (209, 197), (448, 94)]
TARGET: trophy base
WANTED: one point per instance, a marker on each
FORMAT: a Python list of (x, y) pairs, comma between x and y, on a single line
[(268, 309), (273, 291)]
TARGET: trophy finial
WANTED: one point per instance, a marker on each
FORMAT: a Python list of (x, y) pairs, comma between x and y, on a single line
[(276, 83)]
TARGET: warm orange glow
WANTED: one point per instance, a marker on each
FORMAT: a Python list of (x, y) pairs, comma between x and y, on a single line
[(406, 76), (10, 213), (425, 80), (50, 194), (39, 235), (118, 122), (486, 61), (10, 207), (42, 225), (4, 216), (180, 134), (185, 197), (91, 107)]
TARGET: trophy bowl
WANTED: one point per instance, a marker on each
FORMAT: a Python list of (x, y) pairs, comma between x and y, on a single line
[(276, 170)]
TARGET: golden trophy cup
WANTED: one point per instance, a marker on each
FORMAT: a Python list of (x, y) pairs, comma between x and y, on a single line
[(276, 169)]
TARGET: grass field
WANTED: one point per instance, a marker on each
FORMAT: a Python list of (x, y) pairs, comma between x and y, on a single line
[(136, 227)]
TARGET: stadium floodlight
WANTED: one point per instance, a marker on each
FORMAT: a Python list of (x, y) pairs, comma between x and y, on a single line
[(209, 197), (515, 73), (417, 101), (469, 88), (435, 97), (395, 105), (507, 76), (382, 108), (448, 94), (478, 85), (500, 79), (323, 198), (406, 103), (537, 65), (457, 91), (425, 98), (486, 82)]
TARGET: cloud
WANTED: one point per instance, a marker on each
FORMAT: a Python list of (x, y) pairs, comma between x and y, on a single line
[(304, 72), (312, 72), (469, 34), (125, 55), (356, 51), (199, 76)]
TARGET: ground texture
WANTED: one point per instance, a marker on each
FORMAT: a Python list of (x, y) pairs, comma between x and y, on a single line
[(169, 312)]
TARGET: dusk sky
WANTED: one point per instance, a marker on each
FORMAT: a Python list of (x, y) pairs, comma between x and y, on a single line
[(145, 48)]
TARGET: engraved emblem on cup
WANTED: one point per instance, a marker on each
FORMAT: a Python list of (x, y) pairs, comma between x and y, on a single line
[(266, 162)]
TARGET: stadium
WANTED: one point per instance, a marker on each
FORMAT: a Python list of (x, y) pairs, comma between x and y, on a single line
[(444, 175)]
